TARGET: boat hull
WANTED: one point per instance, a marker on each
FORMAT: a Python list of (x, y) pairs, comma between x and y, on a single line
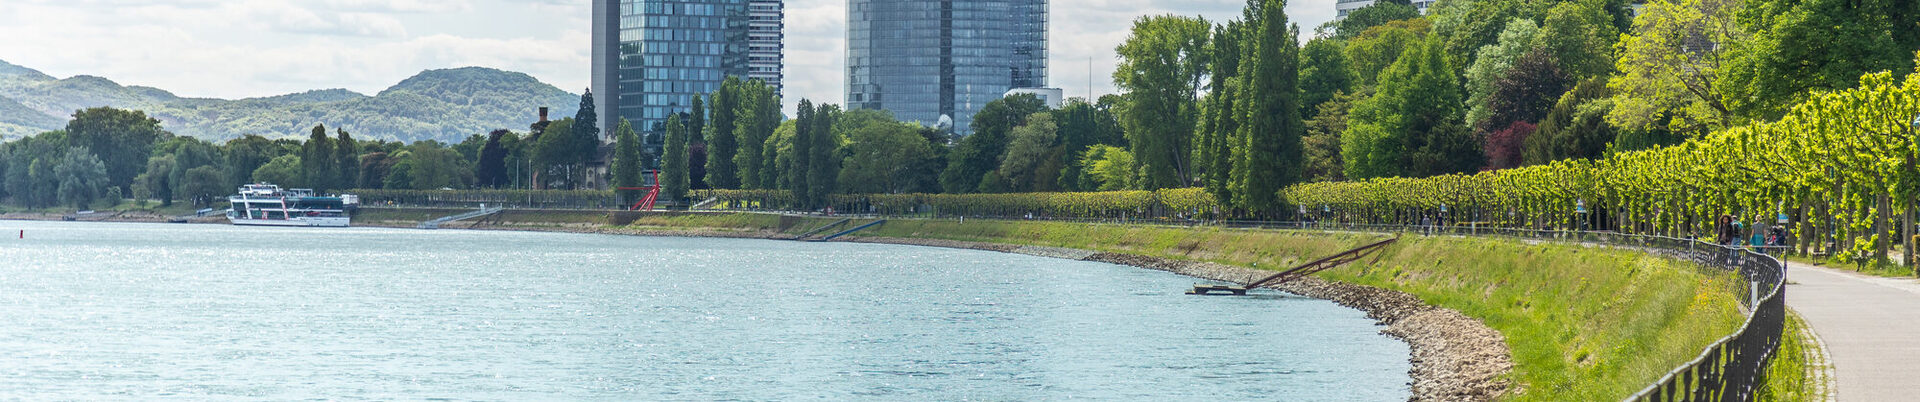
[(298, 221)]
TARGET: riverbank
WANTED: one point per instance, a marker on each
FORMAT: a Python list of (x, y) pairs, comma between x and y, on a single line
[(1482, 318), (1601, 325)]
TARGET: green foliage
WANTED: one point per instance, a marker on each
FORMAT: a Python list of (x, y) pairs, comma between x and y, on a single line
[(121, 139), (30, 180), (1266, 149), (554, 157), (203, 185), (1580, 37), (823, 165), (1323, 73), (346, 159), (427, 165), (185, 154), (1162, 63), (1467, 26), (283, 170), (375, 167), (1107, 168), (1213, 152), (1670, 64), (757, 114), (247, 153), (1523, 96), (1576, 127), (1030, 148), (1834, 162), (673, 175), (885, 159), (1492, 65), (1380, 13), (317, 162), (82, 177), (723, 115), (980, 153), (490, 167), (801, 152), (627, 160), (1082, 125), (1801, 47), (1412, 126), (1377, 48), (1321, 146)]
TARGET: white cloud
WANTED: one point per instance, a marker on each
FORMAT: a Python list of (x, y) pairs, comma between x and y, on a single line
[(235, 49)]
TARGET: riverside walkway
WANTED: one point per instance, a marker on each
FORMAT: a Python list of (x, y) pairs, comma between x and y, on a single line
[(1868, 325)]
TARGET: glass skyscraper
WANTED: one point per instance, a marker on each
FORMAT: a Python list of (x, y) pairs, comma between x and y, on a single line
[(923, 59), (651, 57)]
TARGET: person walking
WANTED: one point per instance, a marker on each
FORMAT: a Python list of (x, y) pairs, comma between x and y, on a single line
[(1724, 230)]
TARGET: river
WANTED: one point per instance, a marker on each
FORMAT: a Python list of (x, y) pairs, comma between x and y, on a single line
[(140, 311)]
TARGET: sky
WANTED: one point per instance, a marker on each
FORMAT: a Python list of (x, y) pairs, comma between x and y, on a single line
[(251, 48)]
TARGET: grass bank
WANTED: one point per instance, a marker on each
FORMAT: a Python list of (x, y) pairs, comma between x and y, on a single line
[(1582, 323)]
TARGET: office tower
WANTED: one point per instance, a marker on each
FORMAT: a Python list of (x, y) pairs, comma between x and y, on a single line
[(765, 41), (651, 57), (925, 59)]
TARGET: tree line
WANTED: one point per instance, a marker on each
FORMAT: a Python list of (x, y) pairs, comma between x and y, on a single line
[(1474, 85)]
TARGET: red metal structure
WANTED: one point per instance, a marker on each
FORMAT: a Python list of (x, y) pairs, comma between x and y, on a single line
[(653, 194)]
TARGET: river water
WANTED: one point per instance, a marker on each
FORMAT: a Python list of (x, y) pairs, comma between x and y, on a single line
[(141, 311)]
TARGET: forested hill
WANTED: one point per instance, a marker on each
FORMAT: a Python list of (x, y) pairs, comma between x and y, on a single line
[(445, 105)]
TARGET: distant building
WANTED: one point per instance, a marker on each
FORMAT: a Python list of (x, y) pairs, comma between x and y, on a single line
[(651, 57), (766, 47), (1053, 97), (928, 59), (1347, 6)]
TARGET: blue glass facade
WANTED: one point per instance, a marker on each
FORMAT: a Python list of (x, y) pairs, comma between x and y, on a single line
[(651, 57), (922, 59)]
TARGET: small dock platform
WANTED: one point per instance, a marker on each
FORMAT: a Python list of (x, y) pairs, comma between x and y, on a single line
[(1207, 288)]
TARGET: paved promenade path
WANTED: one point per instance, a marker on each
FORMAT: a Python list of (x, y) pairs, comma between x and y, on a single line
[(1871, 327)]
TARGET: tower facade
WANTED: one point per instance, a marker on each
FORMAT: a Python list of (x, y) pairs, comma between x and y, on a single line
[(927, 59), (651, 57), (766, 41)]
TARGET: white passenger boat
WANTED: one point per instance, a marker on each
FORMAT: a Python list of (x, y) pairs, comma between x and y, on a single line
[(268, 205)]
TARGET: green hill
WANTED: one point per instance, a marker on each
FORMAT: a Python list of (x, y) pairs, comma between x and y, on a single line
[(446, 105)]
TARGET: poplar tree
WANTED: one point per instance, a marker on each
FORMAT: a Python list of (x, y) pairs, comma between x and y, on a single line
[(721, 172), (747, 136), (1217, 125), (802, 152), (346, 159), (674, 175), (1267, 155), (586, 136), (626, 162), (823, 168), (316, 161)]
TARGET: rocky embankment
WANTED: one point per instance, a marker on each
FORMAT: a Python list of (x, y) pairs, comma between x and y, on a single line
[(114, 216)]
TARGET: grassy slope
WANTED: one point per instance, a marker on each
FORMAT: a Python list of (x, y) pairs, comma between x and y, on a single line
[(1583, 323), (1798, 372)]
